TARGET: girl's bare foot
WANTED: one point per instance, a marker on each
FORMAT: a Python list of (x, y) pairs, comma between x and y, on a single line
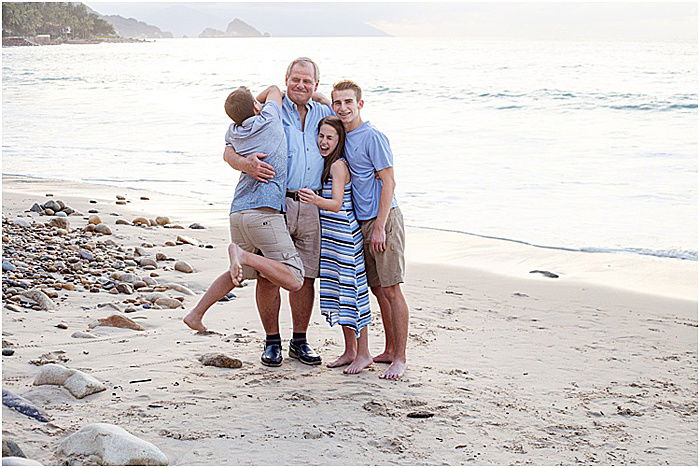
[(194, 321), (395, 371), (386, 357), (343, 360), (359, 364), (236, 270)]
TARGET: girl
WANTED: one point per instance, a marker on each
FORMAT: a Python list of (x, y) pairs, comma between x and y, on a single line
[(344, 292)]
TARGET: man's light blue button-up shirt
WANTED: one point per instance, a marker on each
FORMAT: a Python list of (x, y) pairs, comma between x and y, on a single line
[(304, 163)]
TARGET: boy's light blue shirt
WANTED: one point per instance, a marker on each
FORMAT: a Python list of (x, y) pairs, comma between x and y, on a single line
[(305, 163), (261, 133), (367, 150)]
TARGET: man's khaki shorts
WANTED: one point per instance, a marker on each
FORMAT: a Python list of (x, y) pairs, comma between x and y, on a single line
[(386, 268), (305, 229), (263, 231)]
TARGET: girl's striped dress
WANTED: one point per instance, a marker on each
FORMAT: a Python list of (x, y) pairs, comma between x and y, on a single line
[(344, 291)]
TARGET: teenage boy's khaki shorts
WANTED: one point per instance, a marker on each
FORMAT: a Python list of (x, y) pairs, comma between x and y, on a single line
[(263, 231), (386, 268)]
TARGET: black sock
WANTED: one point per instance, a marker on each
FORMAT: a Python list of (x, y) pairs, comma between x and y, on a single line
[(273, 339), (299, 338)]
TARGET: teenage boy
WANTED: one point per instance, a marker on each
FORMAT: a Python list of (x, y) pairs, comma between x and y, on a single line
[(371, 164)]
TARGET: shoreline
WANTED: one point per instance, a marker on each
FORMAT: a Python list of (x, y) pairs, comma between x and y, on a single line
[(646, 274), (505, 367)]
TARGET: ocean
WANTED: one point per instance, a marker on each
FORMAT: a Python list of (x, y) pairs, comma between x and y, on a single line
[(577, 145)]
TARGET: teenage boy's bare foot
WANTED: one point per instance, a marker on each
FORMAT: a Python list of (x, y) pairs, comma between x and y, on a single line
[(386, 357), (395, 371), (343, 360), (359, 364), (234, 255), (194, 321)]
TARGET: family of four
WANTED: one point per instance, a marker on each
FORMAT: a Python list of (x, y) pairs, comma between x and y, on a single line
[(315, 200)]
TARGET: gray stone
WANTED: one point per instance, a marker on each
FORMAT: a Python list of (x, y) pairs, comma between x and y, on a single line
[(68, 210), (162, 220), (103, 229), (7, 266), (196, 226), (36, 208), (86, 255), (128, 278), (51, 205), (40, 298), (11, 449), (62, 214), (145, 261), (140, 251), (61, 223), (107, 444), (125, 288), (24, 406), (183, 267)]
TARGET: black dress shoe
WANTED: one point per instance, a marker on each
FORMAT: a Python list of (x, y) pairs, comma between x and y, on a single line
[(272, 355), (304, 353)]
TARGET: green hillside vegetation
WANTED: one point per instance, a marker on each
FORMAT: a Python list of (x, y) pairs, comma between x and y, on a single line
[(32, 18)]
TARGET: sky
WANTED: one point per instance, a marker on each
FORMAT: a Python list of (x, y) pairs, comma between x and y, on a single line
[(508, 20)]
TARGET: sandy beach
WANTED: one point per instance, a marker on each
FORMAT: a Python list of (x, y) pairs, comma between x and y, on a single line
[(596, 366)]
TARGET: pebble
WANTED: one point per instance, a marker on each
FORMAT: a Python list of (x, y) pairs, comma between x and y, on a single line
[(48, 212), (68, 286), (62, 326), (170, 244), (144, 198), (103, 229), (13, 308), (140, 284), (89, 228), (154, 274), (145, 261), (122, 221), (68, 210), (78, 383), (36, 208), (7, 266), (94, 219), (140, 251), (150, 281), (161, 256), (183, 267), (52, 205), (162, 220), (62, 214), (125, 288), (220, 360), (23, 222), (196, 226), (113, 291), (81, 334), (8, 352), (187, 240), (40, 298), (117, 321), (121, 197), (121, 202), (60, 223), (109, 445), (61, 232), (11, 449), (141, 220), (169, 302), (86, 255), (19, 461), (93, 201)]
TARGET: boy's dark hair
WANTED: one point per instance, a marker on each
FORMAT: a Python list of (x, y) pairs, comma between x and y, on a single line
[(348, 84), (239, 105)]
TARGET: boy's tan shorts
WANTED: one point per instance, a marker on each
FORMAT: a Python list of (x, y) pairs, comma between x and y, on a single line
[(263, 231), (386, 268)]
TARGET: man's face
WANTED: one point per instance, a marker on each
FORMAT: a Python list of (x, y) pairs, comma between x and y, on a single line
[(346, 106), (301, 83)]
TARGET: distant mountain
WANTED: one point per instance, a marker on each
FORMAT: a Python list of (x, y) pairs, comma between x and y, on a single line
[(133, 28), (236, 28)]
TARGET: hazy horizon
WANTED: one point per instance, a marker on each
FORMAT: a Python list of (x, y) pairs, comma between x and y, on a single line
[(535, 20)]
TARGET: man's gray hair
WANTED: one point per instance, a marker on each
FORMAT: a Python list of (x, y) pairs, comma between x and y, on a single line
[(317, 75)]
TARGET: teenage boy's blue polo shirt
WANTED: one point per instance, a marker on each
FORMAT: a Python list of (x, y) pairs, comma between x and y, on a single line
[(367, 150)]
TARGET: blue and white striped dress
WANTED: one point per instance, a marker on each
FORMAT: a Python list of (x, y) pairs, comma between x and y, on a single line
[(344, 291)]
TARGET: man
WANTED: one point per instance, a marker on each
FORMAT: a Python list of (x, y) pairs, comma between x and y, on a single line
[(371, 164), (300, 117)]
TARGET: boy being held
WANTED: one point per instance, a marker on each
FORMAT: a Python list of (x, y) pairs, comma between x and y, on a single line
[(256, 216)]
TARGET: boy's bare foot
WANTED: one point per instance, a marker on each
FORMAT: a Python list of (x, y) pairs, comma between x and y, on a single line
[(194, 321), (395, 371), (359, 364), (236, 270), (386, 357), (343, 360)]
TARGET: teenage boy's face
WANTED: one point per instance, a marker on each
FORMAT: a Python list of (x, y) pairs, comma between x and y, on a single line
[(301, 83), (346, 106)]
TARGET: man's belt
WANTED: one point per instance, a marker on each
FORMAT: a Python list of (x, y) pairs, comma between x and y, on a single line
[(295, 195)]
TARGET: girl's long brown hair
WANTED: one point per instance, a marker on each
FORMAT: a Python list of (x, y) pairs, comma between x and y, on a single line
[(339, 150)]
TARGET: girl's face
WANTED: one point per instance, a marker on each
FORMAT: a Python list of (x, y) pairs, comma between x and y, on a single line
[(327, 139)]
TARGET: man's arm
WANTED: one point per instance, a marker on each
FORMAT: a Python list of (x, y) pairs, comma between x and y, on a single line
[(378, 236), (320, 98), (271, 93), (252, 165)]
